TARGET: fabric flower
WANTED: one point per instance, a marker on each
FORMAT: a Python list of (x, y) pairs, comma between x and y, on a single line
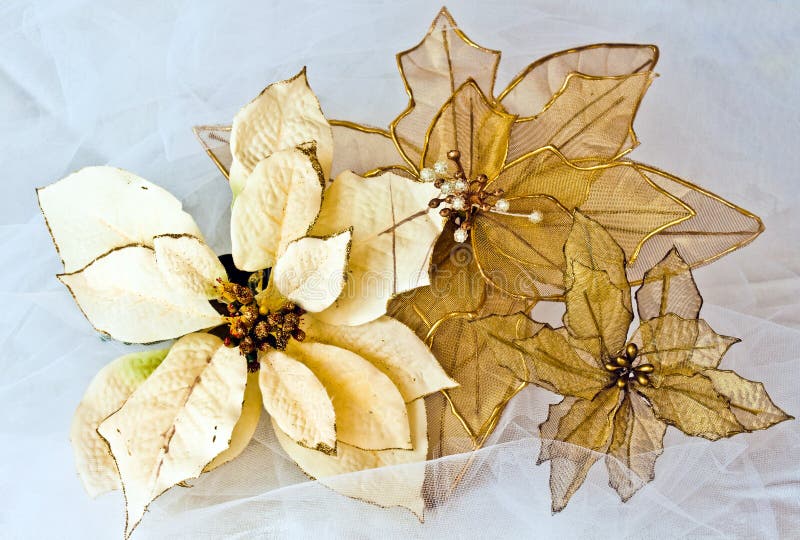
[(342, 399), (512, 167), (621, 393)]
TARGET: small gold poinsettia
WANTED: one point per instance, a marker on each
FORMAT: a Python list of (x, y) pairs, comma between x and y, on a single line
[(621, 393)]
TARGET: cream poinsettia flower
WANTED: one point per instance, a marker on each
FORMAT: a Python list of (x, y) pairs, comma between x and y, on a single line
[(342, 399), (282, 152)]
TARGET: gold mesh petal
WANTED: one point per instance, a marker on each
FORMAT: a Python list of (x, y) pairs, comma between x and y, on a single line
[(432, 71), (669, 287), (521, 257), (534, 87), (677, 346), (469, 123), (691, 404), (365, 150), (716, 227), (637, 442), (216, 140), (578, 438), (588, 117), (749, 401)]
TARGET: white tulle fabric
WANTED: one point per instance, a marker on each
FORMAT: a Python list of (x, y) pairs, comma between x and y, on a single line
[(84, 83)]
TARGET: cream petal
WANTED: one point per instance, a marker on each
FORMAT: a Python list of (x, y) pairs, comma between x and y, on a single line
[(97, 209), (188, 263), (107, 392), (297, 402), (278, 205), (285, 114), (393, 236), (311, 272), (386, 487), (370, 412), (391, 347), (125, 295), (177, 421)]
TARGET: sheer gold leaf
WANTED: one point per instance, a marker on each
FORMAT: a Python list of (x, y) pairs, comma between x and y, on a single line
[(297, 402), (691, 404), (215, 140), (749, 401), (588, 117), (177, 421), (245, 426), (679, 346), (470, 123), (480, 355), (669, 287), (364, 150), (531, 90), (386, 487), (578, 439), (431, 72), (596, 309), (550, 358), (370, 412), (715, 228), (107, 392), (521, 257), (591, 245), (637, 442), (545, 171), (631, 207)]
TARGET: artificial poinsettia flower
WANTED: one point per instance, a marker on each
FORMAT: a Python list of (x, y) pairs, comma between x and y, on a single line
[(512, 166), (622, 392), (281, 195), (342, 399)]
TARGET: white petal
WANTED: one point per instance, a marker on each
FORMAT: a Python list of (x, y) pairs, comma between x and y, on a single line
[(285, 114), (125, 295), (393, 235), (97, 209), (297, 401), (387, 487), (279, 204), (188, 263), (370, 412), (311, 271), (109, 389), (391, 347), (177, 421), (245, 427)]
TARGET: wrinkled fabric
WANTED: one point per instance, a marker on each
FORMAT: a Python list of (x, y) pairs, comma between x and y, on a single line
[(86, 83)]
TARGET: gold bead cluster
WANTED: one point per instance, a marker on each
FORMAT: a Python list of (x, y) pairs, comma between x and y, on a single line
[(623, 371), (252, 328)]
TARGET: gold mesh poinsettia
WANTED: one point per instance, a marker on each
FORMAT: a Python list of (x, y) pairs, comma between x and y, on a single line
[(621, 393), (512, 168)]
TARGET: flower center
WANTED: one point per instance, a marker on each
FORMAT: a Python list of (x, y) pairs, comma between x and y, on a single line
[(252, 328), (624, 372)]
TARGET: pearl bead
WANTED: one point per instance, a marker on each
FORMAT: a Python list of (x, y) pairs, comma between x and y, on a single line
[(427, 175), (459, 186), (460, 235), (440, 167), (447, 188), (458, 204), (535, 216), (501, 205)]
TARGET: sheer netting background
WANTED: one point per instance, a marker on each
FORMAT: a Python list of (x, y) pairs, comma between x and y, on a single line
[(122, 83)]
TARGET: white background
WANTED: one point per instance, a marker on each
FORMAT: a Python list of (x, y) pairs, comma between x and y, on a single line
[(85, 83)]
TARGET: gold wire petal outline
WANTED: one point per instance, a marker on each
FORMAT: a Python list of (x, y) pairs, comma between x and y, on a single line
[(443, 13), (521, 76)]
